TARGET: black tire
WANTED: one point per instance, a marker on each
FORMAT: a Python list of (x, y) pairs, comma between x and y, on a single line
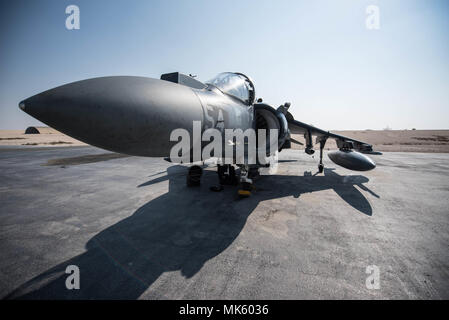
[(194, 176), (320, 168)]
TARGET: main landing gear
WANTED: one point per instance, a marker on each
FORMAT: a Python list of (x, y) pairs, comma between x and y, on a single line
[(227, 175), (194, 176)]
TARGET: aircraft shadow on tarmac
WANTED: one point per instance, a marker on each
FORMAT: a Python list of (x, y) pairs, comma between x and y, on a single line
[(178, 231)]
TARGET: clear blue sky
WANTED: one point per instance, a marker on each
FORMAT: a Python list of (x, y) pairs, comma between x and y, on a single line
[(317, 54)]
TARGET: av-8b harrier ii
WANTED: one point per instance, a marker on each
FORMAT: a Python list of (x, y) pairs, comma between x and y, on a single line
[(138, 116)]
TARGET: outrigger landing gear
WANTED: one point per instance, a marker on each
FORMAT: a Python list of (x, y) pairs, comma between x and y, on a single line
[(320, 165), (309, 147)]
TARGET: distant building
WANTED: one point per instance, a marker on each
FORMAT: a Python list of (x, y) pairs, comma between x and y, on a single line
[(43, 130), (32, 130)]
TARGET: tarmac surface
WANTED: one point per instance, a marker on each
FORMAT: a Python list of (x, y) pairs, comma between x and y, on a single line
[(137, 232)]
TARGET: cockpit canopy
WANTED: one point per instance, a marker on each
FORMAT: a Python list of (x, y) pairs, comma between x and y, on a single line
[(235, 84)]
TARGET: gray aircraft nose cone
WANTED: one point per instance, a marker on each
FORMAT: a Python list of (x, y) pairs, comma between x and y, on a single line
[(133, 115)]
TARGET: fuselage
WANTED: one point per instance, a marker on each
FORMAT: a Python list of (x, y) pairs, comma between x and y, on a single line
[(143, 117)]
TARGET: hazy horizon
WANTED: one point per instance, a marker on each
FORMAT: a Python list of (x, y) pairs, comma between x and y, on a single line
[(320, 56)]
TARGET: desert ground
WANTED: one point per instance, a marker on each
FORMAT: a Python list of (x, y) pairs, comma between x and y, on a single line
[(47, 137), (136, 231), (383, 140)]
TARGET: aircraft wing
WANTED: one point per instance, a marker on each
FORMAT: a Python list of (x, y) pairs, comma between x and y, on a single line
[(298, 127)]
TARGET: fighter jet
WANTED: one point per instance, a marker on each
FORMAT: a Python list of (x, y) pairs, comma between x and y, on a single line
[(138, 115)]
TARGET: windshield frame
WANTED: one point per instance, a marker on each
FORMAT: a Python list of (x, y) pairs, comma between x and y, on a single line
[(248, 83)]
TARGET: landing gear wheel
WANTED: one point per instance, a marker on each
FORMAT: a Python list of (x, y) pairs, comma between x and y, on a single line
[(320, 168), (194, 176)]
